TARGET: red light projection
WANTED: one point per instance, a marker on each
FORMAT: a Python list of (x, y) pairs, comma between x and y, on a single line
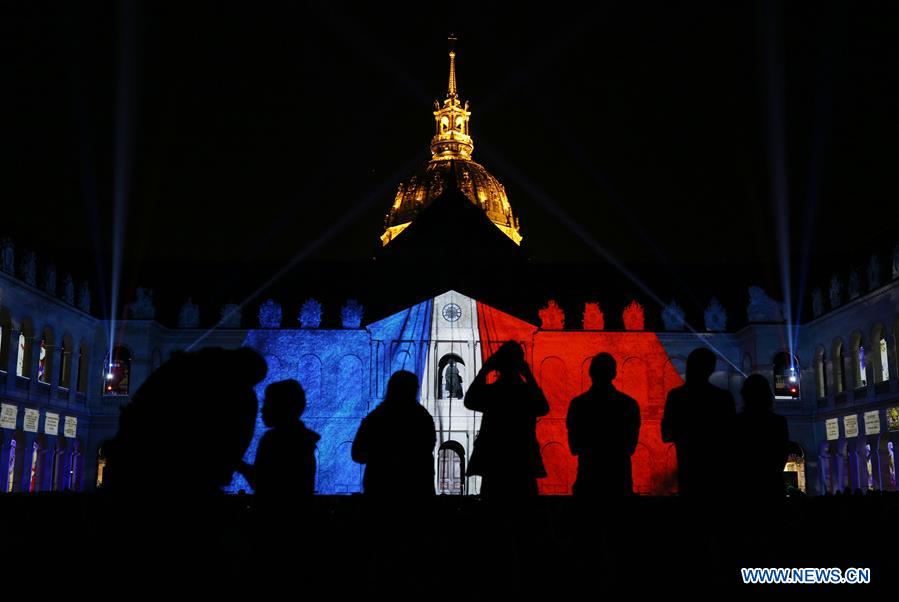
[(633, 316), (552, 317), (560, 361), (593, 317)]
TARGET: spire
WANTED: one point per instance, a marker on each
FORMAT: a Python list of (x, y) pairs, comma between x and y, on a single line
[(452, 74), (452, 139)]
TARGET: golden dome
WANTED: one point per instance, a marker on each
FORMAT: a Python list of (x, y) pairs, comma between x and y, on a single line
[(451, 164)]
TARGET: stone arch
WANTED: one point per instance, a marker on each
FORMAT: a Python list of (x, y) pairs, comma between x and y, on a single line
[(556, 386), (643, 470), (310, 373), (440, 385), (347, 477), (451, 468), (633, 379), (560, 470), (785, 370), (349, 388)]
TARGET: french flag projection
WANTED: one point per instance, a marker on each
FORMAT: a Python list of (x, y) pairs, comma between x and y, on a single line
[(345, 371)]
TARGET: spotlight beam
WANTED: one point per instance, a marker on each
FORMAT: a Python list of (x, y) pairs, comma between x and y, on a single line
[(375, 197), (562, 217)]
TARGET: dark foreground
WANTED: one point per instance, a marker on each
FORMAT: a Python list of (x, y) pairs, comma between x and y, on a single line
[(447, 549)]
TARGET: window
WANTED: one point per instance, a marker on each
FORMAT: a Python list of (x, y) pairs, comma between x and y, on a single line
[(884, 362), (117, 371), (450, 377), (450, 469), (786, 376)]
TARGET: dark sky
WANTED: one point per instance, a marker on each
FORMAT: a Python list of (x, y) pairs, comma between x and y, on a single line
[(242, 133)]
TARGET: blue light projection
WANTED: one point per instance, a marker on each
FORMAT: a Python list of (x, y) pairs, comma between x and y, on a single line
[(341, 384)]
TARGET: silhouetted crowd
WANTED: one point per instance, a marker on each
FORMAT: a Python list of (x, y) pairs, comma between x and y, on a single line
[(396, 440)]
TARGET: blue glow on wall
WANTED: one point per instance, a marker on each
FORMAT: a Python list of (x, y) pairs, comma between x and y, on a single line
[(342, 386)]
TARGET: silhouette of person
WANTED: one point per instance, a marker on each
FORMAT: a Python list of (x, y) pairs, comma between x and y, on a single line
[(453, 380), (284, 469), (220, 417), (180, 440), (603, 428), (696, 414), (396, 443), (762, 442), (506, 452)]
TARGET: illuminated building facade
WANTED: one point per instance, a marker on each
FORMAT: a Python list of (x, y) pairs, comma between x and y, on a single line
[(61, 385)]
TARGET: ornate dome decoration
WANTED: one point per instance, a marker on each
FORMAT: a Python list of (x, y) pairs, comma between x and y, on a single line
[(451, 165)]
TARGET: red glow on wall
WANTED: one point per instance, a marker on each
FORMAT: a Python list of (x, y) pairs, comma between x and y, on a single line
[(633, 316), (552, 317), (593, 317), (560, 361)]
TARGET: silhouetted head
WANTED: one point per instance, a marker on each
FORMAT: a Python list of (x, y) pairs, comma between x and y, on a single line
[(757, 395), (700, 365), (284, 403), (603, 369), (509, 358), (204, 399), (402, 388)]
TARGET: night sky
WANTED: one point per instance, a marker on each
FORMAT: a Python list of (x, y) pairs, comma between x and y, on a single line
[(239, 132)]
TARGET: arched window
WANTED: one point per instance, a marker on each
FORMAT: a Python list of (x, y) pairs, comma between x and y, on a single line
[(786, 376), (117, 371), (450, 377), (451, 469), (884, 361)]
